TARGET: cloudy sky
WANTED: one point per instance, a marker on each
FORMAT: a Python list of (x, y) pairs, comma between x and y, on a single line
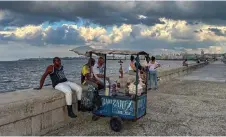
[(47, 29)]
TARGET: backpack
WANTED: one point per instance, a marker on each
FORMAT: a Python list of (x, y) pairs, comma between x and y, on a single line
[(91, 100)]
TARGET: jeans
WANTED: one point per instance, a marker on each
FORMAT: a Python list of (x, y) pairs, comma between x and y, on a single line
[(67, 88), (153, 78)]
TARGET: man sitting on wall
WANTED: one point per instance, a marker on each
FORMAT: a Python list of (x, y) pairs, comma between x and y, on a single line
[(60, 82)]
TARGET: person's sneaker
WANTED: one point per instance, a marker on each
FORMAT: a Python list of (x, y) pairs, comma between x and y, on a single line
[(155, 88)]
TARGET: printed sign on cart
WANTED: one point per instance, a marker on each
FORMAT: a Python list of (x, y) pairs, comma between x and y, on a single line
[(123, 107), (141, 106), (116, 106)]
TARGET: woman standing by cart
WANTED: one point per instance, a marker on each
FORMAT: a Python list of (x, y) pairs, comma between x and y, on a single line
[(152, 66)]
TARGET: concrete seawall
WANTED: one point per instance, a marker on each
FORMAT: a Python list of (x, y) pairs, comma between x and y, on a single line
[(169, 74), (31, 112)]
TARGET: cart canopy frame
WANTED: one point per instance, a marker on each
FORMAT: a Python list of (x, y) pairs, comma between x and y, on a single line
[(101, 52), (119, 52)]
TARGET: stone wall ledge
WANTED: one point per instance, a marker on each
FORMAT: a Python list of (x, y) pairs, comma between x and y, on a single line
[(37, 112)]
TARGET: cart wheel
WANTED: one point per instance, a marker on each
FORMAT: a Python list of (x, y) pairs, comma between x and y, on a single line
[(95, 118), (116, 124)]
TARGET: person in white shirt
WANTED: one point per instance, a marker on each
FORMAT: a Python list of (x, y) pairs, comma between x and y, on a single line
[(152, 66), (98, 72)]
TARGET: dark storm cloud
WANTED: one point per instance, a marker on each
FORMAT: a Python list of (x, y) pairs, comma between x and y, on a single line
[(63, 35), (189, 10), (192, 23), (20, 13), (13, 18), (96, 12), (217, 32), (56, 11), (111, 13)]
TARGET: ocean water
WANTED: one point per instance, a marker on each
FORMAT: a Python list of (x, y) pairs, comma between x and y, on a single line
[(17, 75)]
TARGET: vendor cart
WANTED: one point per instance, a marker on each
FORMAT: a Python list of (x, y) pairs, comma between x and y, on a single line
[(121, 106)]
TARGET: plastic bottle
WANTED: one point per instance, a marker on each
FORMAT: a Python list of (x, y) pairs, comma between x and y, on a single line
[(113, 89), (120, 71), (107, 89)]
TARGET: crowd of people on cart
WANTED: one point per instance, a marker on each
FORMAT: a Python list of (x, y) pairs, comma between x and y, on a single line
[(92, 73)]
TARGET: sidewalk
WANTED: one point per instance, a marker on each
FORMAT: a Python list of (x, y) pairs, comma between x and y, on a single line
[(182, 107), (212, 72)]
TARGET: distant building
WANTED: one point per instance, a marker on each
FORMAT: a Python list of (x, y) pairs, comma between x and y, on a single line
[(189, 56), (202, 53)]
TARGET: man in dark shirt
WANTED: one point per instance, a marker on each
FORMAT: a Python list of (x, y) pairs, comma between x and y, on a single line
[(185, 63), (60, 82)]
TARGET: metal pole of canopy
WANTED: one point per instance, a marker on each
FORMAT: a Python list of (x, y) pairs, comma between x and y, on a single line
[(146, 92), (137, 76), (90, 56), (105, 58), (137, 79), (147, 72)]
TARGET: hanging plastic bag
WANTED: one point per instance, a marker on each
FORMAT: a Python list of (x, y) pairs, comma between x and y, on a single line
[(91, 100)]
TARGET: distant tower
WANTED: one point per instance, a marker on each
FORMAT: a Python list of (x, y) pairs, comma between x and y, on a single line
[(202, 53)]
